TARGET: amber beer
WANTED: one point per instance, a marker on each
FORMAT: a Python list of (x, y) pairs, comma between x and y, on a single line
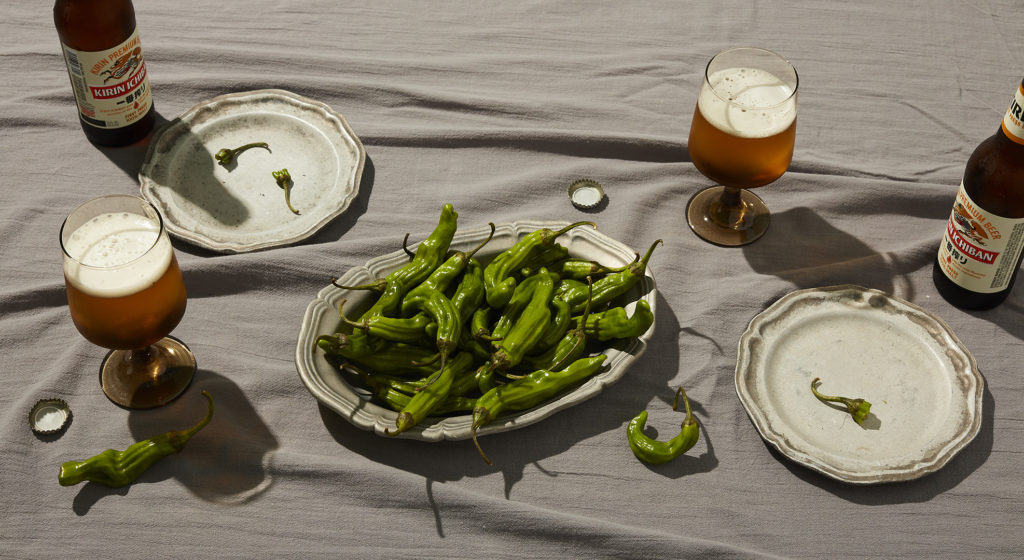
[(736, 144), (107, 69), (983, 244), (124, 286)]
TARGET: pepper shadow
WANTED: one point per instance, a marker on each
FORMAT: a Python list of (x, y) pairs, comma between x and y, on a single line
[(649, 376), (340, 225), (182, 166), (226, 462)]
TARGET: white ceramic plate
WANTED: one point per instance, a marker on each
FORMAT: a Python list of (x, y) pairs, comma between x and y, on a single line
[(326, 384), (240, 207), (923, 385)]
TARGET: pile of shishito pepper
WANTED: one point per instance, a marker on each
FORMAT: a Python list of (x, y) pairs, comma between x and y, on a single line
[(450, 335)]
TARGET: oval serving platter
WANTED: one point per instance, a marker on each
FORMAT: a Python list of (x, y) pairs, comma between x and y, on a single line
[(353, 403), (924, 386), (239, 207)]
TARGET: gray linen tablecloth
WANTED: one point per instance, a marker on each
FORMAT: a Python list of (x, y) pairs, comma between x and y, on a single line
[(496, 107)]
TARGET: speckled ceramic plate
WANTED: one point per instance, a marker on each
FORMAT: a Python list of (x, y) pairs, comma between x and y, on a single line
[(923, 385), (326, 384), (239, 207)]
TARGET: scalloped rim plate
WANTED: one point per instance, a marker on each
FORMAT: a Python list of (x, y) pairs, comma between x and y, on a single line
[(240, 207), (924, 387), (326, 384)]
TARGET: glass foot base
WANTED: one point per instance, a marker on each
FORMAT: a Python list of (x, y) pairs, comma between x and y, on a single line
[(150, 377), (728, 226)]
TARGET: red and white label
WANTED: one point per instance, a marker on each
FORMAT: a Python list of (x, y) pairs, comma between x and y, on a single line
[(111, 86), (979, 250)]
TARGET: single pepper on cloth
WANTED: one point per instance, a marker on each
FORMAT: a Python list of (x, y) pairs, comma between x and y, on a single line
[(650, 450), (120, 468)]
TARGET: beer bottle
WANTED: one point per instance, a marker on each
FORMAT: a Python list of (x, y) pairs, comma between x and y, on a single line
[(981, 249), (107, 70)]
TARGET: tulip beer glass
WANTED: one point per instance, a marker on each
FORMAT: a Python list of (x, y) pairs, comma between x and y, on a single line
[(741, 137), (125, 292)]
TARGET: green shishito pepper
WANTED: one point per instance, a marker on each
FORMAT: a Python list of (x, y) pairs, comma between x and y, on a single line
[(120, 468), (498, 275), (446, 329), (284, 180), (650, 450), (614, 323), (858, 408), (530, 391), (225, 156), (611, 286), (431, 394)]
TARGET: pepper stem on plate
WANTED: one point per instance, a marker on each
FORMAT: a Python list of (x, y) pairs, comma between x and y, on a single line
[(858, 408)]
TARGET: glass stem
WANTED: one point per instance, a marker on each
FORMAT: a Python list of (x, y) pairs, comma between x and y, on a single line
[(141, 356), (730, 197), (730, 211)]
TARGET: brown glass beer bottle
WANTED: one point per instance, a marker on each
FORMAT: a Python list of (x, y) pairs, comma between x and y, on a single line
[(107, 69), (981, 249)]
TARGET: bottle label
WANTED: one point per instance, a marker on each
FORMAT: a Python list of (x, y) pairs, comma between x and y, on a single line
[(979, 250), (1013, 121), (111, 86)]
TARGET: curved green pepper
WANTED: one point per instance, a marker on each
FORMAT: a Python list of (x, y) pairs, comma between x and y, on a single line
[(614, 323), (430, 395), (428, 257), (523, 330), (529, 391), (650, 450), (561, 320), (498, 275), (569, 348), (431, 251), (120, 468), (609, 287)]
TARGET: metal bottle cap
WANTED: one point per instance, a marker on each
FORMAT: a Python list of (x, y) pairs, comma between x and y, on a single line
[(49, 416), (586, 193)]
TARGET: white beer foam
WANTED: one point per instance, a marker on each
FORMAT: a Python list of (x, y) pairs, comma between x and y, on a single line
[(117, 254), (750, 103)]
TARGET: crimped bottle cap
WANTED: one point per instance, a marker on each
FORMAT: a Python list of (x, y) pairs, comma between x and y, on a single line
[(49, 416), (586, 193)]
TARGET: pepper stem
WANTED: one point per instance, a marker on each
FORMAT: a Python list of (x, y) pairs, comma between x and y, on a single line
[(555, 234), (357, 324), (332, 343), (485, 241), (405, 246), (379, 285), (178, 439), (479, 449), (688, 419), (642, 264)]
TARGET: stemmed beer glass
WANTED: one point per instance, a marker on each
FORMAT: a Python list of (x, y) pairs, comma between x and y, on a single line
[(741, 137), (125, 292)]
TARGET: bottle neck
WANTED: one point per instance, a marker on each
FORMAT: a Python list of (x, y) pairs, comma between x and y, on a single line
[(1013, 120)]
